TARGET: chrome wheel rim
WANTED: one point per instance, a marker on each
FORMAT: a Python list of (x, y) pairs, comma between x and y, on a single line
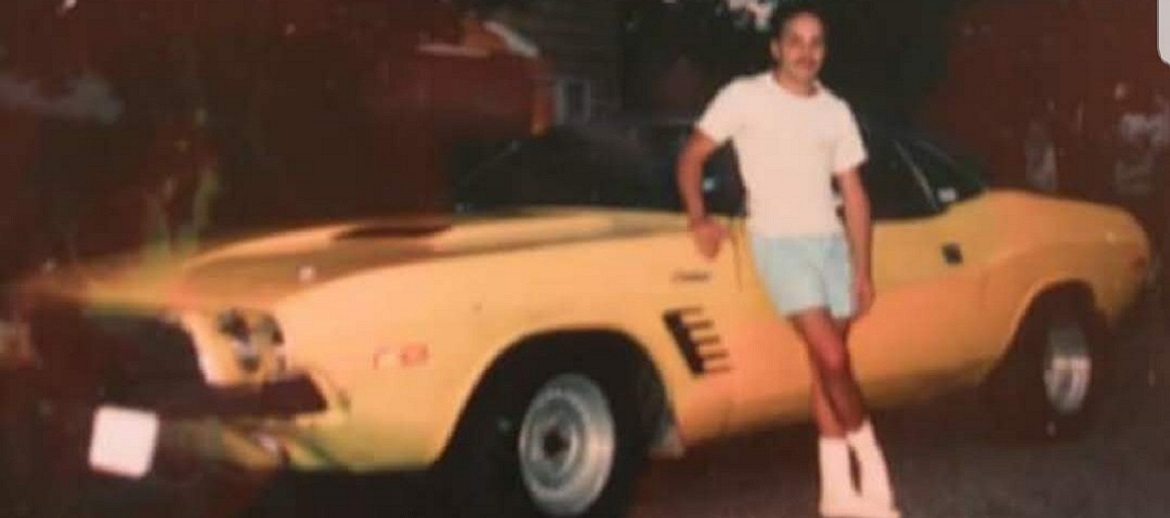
[(1068, 367), (567, 445)]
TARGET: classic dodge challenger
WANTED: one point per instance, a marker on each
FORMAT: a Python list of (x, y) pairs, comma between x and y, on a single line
[(535, 356)]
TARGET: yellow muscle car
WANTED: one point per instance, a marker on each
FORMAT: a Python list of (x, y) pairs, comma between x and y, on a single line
[(534, 356)]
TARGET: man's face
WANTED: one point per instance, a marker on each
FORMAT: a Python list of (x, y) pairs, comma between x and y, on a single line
[(800, 47)]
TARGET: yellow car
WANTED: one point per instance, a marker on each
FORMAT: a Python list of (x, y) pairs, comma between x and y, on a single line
[(533, 357)]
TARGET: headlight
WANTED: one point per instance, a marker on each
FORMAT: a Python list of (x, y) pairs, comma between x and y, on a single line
[(254, 338)]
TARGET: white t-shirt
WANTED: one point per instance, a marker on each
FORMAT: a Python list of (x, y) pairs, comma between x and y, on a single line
[(788, 148)]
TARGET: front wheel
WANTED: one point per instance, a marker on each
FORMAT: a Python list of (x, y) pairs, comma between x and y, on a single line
[(560, 442)]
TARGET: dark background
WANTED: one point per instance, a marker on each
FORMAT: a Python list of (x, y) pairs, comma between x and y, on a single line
[(323, 109)]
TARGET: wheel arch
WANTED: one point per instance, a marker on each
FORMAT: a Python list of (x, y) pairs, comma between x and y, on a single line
[(1070, 289)]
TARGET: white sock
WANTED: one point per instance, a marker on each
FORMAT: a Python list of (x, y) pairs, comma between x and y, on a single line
[(875, 477), (836, 476)]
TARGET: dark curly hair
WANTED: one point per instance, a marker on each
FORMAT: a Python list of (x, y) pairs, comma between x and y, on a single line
[(787, 10)]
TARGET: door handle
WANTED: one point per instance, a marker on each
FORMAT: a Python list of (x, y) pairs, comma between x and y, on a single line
[(691, 276), (953, 253)]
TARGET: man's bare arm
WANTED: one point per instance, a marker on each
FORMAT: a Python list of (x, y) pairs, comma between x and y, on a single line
[(858, 225), (698, 149), (708, 234)]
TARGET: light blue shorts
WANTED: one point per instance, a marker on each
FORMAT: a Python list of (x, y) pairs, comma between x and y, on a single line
[(806, 272)]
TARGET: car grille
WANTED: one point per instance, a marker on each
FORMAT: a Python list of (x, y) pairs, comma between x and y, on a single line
[(117, 358)]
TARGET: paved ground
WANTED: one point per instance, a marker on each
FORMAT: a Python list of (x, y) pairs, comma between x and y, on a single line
[(943, 463)]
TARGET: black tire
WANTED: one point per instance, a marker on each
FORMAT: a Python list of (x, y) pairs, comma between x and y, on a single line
[(1061, 335), (481, 474)]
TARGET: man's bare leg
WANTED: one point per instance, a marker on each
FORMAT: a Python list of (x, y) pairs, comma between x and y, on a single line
[(839, 493), (826, 420), (828, 353), (830, 362), (875, 479)]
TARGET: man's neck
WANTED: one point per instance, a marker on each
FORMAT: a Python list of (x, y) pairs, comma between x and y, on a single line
[(794, 85)]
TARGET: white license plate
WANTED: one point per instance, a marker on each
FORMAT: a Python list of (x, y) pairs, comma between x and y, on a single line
[(123, 441)]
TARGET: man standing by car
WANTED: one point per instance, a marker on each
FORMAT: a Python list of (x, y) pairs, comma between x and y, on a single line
[(792, 137)]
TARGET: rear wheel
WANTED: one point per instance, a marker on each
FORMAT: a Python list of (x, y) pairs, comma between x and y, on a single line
[(1049, 383), (562, 439), (1068, 366)]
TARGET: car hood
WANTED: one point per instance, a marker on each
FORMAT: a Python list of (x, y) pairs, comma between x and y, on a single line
[(256, 271)]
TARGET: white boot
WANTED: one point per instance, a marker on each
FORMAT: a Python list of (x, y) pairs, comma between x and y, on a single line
[(839, 498), (875, 477), (856, 507), (836, 479)]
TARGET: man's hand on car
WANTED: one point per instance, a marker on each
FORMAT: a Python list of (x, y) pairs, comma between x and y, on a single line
[(708, 235)]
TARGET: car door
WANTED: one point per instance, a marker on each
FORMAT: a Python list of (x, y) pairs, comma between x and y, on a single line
[(922, 334), (968, 229)]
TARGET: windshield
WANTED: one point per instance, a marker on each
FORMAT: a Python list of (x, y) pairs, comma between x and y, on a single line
[(629, 166)]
